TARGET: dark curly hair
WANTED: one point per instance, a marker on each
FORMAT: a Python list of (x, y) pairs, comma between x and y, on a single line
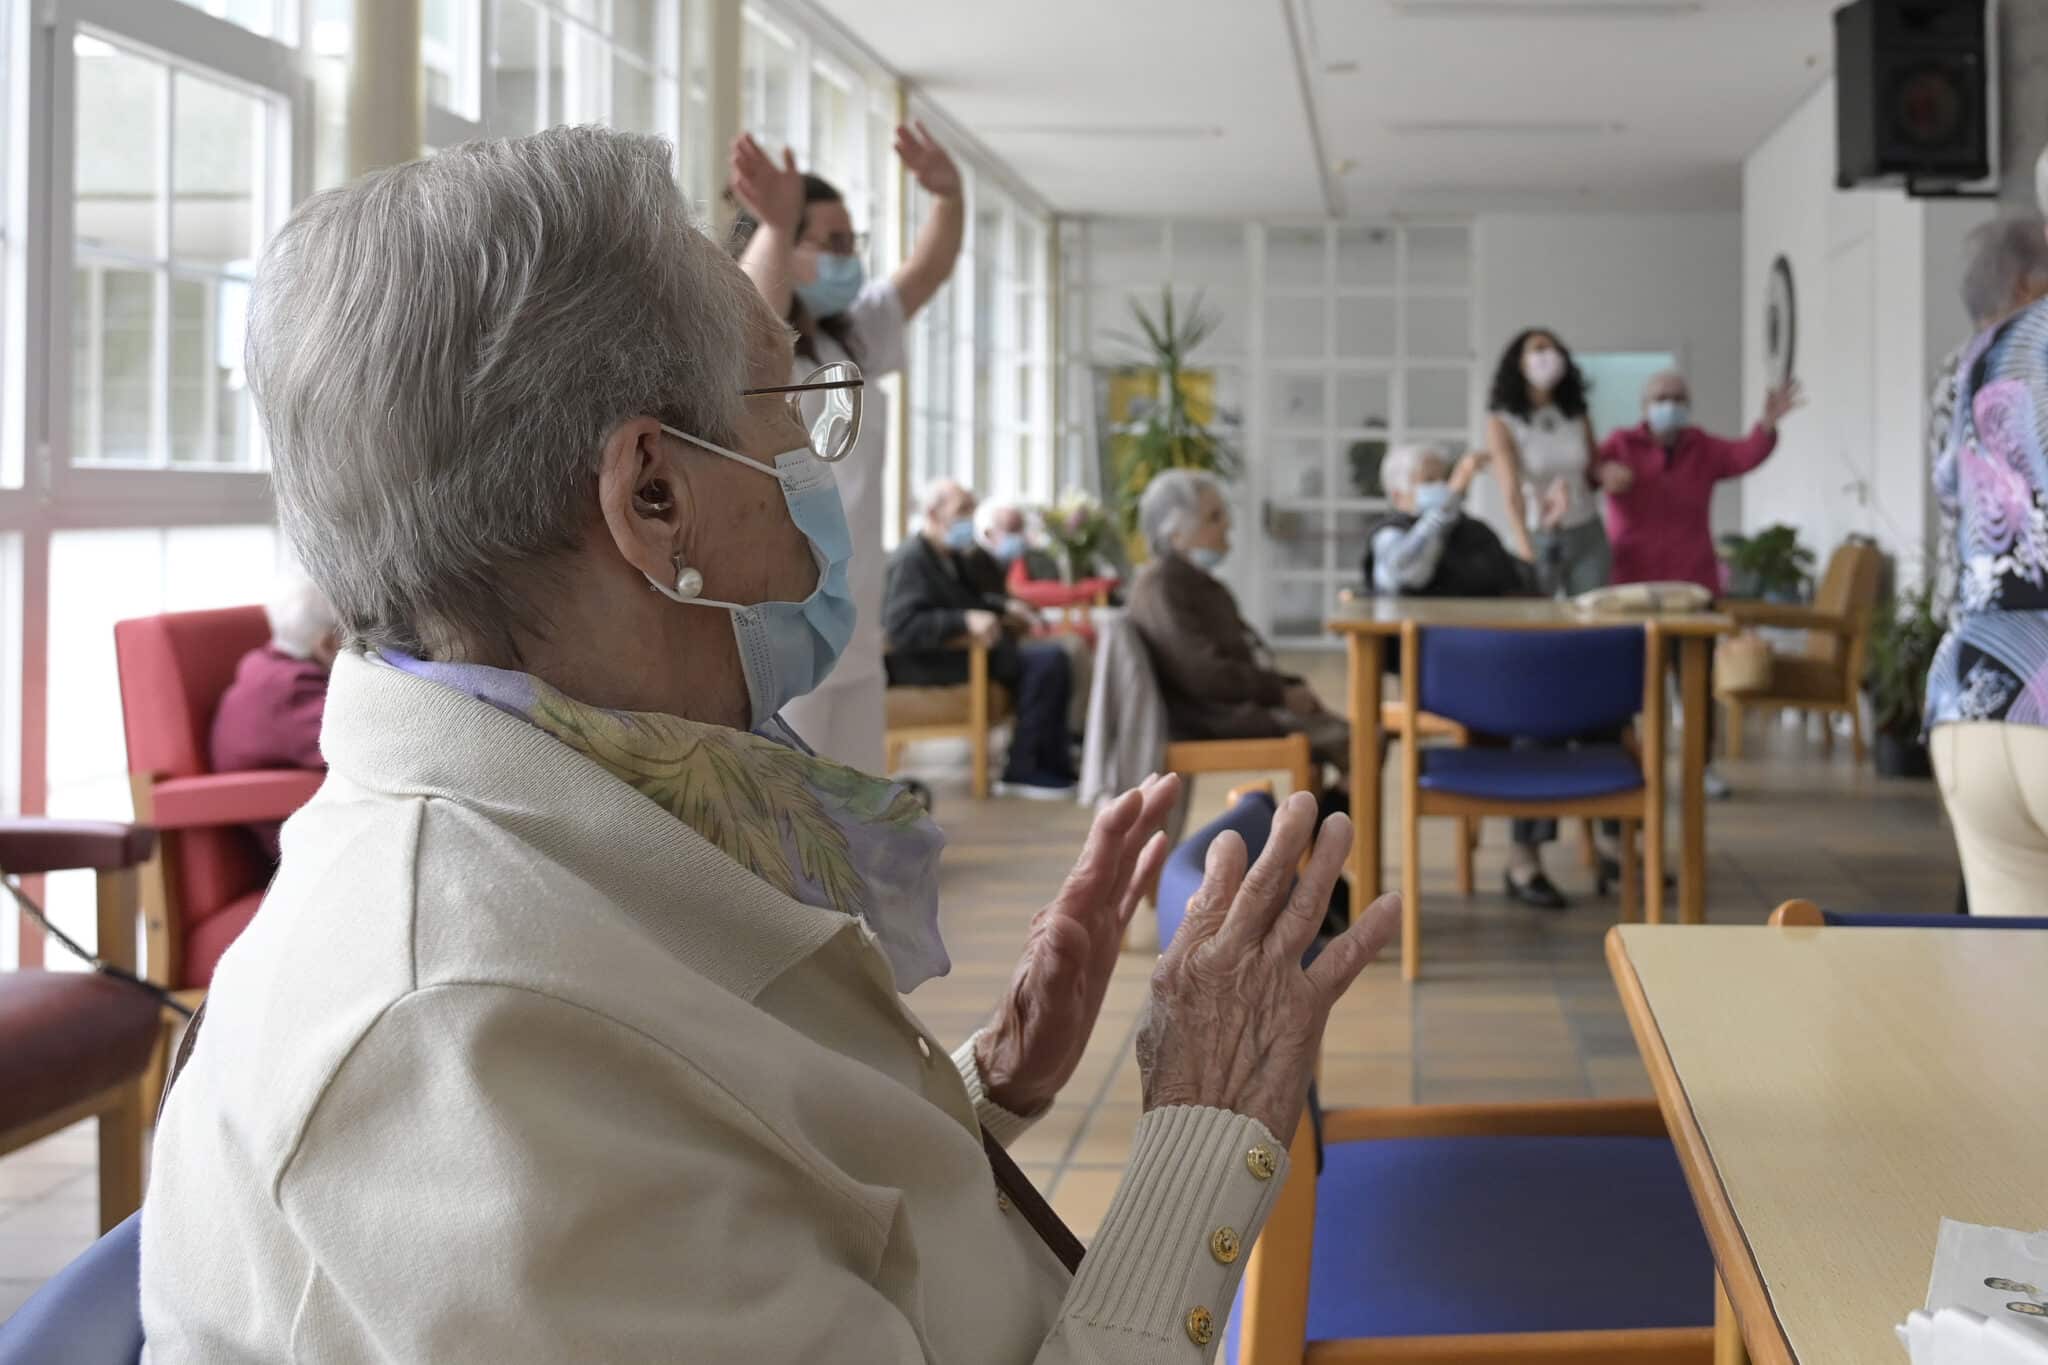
[(1511, 391), (817, 190)]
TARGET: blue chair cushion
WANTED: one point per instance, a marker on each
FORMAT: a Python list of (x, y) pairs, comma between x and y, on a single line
[(1532, 774), (1881, 921), (90, 1313), (1252, 818), (1425, 1237)]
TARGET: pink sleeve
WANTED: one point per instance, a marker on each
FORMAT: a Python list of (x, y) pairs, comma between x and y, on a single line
[(1735, 458), (299, 722)]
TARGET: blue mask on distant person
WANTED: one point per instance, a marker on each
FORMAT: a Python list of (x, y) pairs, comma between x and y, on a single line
[(1010, 548), (838, 284), (1432, 497), (1205, 558), (960, 534), (788, 648), (1668, 415)]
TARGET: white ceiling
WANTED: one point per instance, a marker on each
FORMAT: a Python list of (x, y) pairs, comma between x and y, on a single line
[(1196, 107)]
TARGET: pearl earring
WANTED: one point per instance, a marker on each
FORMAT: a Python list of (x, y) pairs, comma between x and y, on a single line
[(689, 582)]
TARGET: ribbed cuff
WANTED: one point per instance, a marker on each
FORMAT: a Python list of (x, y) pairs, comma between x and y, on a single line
[(1199, 1187), (998, 1122)]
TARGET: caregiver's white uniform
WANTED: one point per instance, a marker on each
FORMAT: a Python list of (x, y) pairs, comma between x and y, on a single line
[(844, 719)]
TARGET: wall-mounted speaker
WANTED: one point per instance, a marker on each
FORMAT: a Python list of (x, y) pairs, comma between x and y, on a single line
[(1913, 94)]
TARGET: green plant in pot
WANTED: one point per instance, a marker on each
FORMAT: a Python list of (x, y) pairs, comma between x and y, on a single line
[(1171, 434), (1904, 633), (1771, 565)]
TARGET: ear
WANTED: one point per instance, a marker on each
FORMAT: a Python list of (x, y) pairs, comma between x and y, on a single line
[(640, 491)]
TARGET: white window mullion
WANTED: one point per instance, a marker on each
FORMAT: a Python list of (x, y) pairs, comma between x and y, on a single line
[(160, 343)]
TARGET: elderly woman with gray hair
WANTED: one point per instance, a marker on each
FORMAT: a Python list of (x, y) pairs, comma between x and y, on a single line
[(571, 1027), (1216, 677)]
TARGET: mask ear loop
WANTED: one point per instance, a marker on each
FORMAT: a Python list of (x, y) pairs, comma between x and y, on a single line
[(689, 583)]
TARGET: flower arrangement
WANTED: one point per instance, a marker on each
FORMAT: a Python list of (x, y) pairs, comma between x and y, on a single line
[(1078, 531)]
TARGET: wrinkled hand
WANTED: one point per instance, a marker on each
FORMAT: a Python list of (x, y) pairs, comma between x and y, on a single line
[(1557, 502), (1615, 478), (1235, 1022), (984, 628), (1782, 401), (1022, 616), (927, 161), (1467, 471), (1302, 700), (1031, 1047), (773, 194)]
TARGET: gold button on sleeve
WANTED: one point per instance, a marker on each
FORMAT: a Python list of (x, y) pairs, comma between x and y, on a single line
[(1223, 1245), (1259, 1161), (1201, 1326)]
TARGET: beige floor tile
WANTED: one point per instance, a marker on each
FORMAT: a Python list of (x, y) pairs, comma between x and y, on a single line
[(1106, 1141), (1083, 1196)]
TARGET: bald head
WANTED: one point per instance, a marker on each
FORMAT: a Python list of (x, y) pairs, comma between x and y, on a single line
[(945, 503)]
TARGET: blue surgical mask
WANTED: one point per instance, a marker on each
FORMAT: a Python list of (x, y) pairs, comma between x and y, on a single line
[(1431, 497), (838, 284), (960, 534), (1668, 415), (788, 648), (1011, 547), (1206, 559)]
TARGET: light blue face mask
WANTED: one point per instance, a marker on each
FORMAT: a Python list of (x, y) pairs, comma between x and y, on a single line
[(1432, 497), (1206, 558), (787, 648), (1011, 547), (960, 534), (1668, 415), (838, 284)]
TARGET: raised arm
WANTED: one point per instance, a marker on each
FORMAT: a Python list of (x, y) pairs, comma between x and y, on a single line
[(1507, 468), (774, 194), (1732, 459), (938, 242)]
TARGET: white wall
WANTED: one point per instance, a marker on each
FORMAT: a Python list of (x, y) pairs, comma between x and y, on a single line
[(1876, 277), (1621, 282)]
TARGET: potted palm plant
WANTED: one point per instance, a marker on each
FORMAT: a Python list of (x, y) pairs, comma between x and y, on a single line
[(1904, 635), (1771, 565), (1170, 434)]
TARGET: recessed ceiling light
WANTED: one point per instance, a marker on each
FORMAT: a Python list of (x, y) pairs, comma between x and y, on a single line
[(1546, 9), (1189, 131), (1506, 128)]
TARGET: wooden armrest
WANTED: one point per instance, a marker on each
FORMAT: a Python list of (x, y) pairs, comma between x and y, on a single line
[(1788, 616), (1549, 1118), (30, 844)]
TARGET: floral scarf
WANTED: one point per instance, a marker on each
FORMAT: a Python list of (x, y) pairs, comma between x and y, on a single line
[(817, 831)]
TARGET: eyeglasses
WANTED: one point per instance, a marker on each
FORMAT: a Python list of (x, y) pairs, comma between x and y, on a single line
[(828, 406), (843, 244)]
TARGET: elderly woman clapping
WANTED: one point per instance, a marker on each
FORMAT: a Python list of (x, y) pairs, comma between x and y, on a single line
[(570, 1029)]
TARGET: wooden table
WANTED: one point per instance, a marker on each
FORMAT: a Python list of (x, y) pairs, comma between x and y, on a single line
[(1367, 623), (1835, 1093)]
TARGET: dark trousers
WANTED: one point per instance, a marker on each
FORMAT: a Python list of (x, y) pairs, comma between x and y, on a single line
[(1042, 687)]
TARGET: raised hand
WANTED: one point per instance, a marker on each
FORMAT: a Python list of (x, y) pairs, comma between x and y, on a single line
[(1031, 1047), (1235, 1022), (1615, 478), (1782, 401), (927, 161), (773, 193), (1468, 471)]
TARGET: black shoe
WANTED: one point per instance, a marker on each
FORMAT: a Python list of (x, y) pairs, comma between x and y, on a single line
[(1538, 891), (1608, 874)]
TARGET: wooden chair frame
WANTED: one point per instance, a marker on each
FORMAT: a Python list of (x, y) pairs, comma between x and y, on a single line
[(1854, 632), (974, 727), (1274, 1320), (1642, 808), (120, 1107)]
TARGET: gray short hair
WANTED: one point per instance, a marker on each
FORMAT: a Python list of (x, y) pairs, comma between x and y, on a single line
[(300, 616), (1998, 260), (1671, 372), (1171, 504), (1399, 470), (440, 349)]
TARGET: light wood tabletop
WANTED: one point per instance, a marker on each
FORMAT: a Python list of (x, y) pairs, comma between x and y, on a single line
[(1371, 624), (1835, 1093)]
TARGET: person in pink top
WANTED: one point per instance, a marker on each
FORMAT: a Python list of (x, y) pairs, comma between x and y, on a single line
[(270, 715), (1659, 480)]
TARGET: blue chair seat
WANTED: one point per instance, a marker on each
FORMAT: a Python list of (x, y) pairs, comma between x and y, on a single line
[(1430, 1237), (1841, 920), (1532, 774)]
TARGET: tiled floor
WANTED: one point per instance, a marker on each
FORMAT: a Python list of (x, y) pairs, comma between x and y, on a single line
[(1513, 1005)]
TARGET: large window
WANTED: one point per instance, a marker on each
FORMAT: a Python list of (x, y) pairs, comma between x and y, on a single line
[(577, 61)]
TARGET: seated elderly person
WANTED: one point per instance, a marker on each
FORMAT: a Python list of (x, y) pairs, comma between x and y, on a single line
[(943, 586), (1428, 547), (270, 715), (1215, 675), (570, 1029)]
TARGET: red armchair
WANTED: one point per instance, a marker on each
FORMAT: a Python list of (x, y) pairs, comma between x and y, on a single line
[(208, 876)]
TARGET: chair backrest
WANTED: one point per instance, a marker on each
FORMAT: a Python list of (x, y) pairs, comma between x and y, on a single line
[(1535, 684), (1251, 816), (90, 1313), (1848, 587), (173, 670)]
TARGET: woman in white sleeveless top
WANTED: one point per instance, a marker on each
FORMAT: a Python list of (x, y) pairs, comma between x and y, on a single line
[(803, 255), (1542, 444)]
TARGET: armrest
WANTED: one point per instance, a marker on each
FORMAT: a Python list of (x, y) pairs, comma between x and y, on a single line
[(1787, 616), (218, 799), (1547, 1118), (31, 844)]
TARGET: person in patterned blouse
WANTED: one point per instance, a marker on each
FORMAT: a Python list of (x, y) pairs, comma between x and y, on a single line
[(1987, 692)]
